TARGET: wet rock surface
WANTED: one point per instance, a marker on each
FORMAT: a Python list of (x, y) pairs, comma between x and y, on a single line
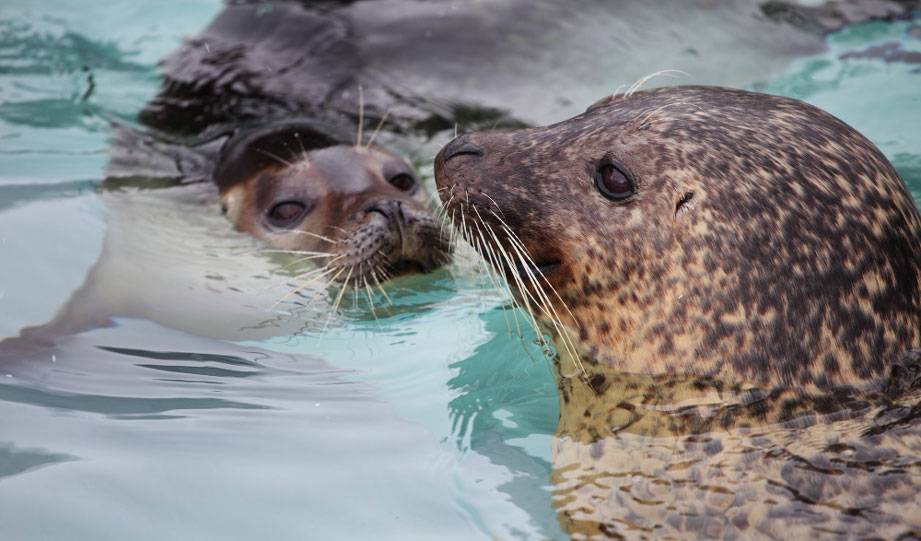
[(836, 14), (887, 52), (432, 65)]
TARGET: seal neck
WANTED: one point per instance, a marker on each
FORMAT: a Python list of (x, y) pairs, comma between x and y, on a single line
[(597, 402)]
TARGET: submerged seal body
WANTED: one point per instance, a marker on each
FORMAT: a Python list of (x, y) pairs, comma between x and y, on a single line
[(720, 270), (704, 231)]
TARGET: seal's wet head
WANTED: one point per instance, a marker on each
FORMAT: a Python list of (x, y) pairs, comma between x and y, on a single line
[(357, 209), (700, 231)]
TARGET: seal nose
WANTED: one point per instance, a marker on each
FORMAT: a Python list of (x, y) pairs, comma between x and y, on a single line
[(461, 146), (390, 209)]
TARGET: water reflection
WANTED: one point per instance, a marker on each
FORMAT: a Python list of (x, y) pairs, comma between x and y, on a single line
[(856, 477)]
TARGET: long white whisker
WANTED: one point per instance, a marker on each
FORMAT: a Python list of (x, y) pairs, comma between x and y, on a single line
[(342, 289), (547, 305), (306, 234), (513, 238), (636, 86), (377, 321), (274, 156), (504, 286), (377, 130), (374, 275), (514, 272), (310, 258), (293, 252), (304, 285), (361, 115), (300, 143)]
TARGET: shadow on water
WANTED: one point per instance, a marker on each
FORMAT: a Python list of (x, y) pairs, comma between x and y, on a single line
[(15, 460), (114, 406), (17, 195)]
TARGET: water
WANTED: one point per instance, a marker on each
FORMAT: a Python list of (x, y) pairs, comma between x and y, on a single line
[(433, 421)]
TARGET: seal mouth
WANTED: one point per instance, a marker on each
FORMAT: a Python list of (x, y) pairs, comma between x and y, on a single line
[(408, 266), (543, 268)]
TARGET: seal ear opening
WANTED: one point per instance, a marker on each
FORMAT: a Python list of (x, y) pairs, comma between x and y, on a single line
[(249, 151), (685, 199)]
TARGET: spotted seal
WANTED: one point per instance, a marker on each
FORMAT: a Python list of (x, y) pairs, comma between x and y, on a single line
[(704, 231), (719, 271)]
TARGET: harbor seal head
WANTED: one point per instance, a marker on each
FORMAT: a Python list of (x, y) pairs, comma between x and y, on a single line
[(358, 209), (701, 231)]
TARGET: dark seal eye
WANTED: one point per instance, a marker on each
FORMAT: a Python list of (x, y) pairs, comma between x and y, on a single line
[(613, 181), (403, 181), (286, 213)]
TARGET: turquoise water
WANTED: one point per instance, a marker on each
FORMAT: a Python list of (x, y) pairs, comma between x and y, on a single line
[(434, 420)]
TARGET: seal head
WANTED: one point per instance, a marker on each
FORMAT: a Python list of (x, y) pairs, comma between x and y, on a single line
[(357, 209), (702, 231)]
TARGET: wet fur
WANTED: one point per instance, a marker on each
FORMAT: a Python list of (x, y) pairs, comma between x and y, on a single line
[(743, 327), (793, 261)]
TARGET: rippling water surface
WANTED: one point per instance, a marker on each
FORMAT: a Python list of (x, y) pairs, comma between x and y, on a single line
[(430, 420)]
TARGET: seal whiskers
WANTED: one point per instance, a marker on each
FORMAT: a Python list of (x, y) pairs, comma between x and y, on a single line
[(314, 277), (534, 299), (540, 300), (501, 287), (274, 157), (642, 80), (527, 262), (361, 115), (377, 129), (315, 235)]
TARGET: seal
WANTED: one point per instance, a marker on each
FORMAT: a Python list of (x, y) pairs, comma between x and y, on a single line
[(357, 214), (719, 270), (358, 209), (704, 231)]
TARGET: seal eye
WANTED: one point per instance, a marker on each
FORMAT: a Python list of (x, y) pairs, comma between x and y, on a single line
[(403, 181), (613, 181), (286, 213)]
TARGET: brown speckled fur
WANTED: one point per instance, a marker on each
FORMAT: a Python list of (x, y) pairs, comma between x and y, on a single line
[(768, 270), (795, 262)]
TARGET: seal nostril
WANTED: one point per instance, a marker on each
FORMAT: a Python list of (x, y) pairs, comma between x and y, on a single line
[(392, 210), (461, 147)]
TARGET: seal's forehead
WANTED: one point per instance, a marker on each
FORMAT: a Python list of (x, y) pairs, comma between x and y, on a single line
[(353, 168), (249, 152)]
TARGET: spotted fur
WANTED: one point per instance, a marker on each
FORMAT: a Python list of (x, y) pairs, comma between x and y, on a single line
[(768, 242), (740, 324)]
